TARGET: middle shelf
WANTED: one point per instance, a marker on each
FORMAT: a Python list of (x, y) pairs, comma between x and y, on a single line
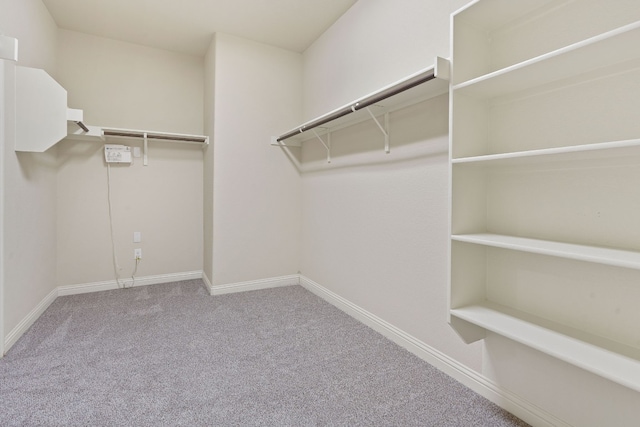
[(594, 254), (596, 151)]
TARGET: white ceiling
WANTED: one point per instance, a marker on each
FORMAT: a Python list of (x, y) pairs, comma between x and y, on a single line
[(187, 25)]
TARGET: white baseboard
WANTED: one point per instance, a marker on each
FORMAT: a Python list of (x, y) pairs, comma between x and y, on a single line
[(207, 283), (253, 285), (26, 323), (140, 281), (470, 378)]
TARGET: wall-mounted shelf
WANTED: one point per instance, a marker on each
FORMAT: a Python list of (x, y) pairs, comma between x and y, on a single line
[(154, 135), (427, 83), (101, 134), (595, 254), (545, 149), (628, 149), (609, 359), (41, 110), (43, 118), (579, 58)]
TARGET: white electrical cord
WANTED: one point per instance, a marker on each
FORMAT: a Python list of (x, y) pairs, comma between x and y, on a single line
[(135, 270), (116, 267)]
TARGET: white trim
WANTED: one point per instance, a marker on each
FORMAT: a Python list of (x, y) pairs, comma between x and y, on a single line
[(140, 281), (272, 282), (207, 283), (3, 128), (26, 323), (470, 378)]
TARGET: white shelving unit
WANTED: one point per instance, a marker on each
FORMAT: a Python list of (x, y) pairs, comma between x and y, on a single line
[(545, 166), (102, 134), (420, 86), (41, 110), (42, 118)]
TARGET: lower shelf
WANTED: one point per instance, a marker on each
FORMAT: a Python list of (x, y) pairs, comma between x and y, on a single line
[(609, 359)]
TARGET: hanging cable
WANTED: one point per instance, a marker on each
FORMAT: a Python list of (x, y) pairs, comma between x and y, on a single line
[(135, 270), (116, 267)]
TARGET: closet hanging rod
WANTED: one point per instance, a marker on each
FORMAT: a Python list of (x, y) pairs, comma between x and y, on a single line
[(388, 93), (82, 126), (124, 133), (363, 103)]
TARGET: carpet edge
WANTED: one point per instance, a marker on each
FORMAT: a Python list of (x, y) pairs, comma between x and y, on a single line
[(472, 379), (23, 326), (108, 285)]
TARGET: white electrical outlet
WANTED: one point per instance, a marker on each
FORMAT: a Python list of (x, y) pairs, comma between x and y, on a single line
[(137, 253), (137, 237)]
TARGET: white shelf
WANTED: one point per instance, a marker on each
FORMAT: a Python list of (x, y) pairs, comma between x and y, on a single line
[(591, 54), (609, 359), (41, 110), (594, 254), (354, 113), (498, 12), (598, 151), (155, 135), (100, 134)]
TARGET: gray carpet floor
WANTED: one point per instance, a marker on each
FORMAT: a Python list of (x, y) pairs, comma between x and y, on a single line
[(171, 355)]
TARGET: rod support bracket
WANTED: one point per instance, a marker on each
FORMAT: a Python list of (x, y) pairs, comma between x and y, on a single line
[(384, 129), (145, 159), (327, 144)]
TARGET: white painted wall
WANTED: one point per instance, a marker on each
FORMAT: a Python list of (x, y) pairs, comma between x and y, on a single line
[(29, 192), (123, 85), (256, 189), (374, 44), (375, 226), (209, 121)]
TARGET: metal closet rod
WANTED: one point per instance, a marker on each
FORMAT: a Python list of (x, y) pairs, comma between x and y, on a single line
[(150, 135), (363, 103), (82, 126)]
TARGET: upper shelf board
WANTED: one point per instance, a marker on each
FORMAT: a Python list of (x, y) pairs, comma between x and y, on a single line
[(489, 15), (41, 110), (612, 47), (164, 136), (427, 83)]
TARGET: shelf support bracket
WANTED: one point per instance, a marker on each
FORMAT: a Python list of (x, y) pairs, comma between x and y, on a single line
[(145, 159), (327, 145), (384, 129)]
